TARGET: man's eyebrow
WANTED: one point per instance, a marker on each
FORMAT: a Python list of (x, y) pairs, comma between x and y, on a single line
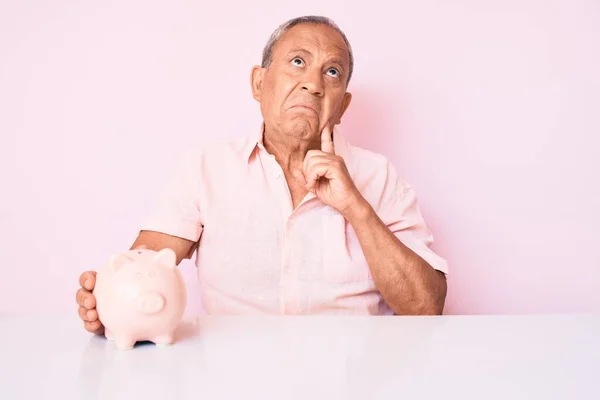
[(337, 61), (300, 50)]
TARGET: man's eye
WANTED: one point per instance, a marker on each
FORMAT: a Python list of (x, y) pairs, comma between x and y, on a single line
[(333, 72), (297, 61)]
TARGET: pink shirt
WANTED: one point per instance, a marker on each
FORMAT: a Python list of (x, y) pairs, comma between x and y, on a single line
[(257, 255)]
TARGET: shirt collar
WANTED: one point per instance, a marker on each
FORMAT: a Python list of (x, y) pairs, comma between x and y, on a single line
[(341, 146)]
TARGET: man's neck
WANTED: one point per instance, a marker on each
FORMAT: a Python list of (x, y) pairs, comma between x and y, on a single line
[(289, 151)]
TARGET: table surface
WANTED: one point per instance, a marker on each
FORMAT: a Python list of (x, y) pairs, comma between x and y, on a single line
[(307, 357)]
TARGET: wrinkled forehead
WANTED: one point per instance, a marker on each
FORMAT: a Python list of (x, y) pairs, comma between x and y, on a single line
[(313, 38)]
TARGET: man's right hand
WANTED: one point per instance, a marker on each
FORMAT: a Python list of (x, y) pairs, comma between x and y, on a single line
[(86, 300), (87, 303)]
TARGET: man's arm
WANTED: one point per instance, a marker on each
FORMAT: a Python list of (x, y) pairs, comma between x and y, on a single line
[(183, 248), (408, 284)]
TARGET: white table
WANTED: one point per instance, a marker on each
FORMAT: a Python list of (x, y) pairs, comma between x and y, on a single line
[(450, 357)]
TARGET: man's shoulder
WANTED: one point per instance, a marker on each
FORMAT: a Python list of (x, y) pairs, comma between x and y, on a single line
[(220, 148), (368, 162), (366, 156), (374, 170)]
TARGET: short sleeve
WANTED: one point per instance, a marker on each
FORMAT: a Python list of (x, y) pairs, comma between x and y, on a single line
[(177, 209), (403, 217)]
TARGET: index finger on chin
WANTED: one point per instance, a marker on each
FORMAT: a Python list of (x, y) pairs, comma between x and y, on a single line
[(327, 140)]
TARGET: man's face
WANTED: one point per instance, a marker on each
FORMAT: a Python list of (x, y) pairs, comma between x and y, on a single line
[(304, 88)]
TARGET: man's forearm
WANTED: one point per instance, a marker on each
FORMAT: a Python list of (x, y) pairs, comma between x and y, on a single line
[(408, 284)]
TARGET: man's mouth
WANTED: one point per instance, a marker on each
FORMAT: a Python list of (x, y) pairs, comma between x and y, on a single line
[(306, 107)]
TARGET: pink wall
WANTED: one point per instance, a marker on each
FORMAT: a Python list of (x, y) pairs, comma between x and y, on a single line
[(490, 111)]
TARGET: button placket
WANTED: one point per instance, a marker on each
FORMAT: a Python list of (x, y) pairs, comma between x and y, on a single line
[(289, 296)]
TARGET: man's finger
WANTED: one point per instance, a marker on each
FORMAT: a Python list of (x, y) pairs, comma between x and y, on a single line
[(315, 173), (299, 176), (88, 300), (93, 327), (315, 157), (79, 296), (83, 313), (92, 315), (327, 140), (87, 280)]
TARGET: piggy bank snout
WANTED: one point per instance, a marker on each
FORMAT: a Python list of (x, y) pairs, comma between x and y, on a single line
[(151, 303)]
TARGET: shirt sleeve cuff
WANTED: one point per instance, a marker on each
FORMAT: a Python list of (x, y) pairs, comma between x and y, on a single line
[(423, 251), (189, 231)]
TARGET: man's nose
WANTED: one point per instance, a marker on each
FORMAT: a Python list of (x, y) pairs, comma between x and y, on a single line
[(313, 83)]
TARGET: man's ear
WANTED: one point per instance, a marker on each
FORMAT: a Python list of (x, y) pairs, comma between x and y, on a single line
[(345, 105), (256, 81)]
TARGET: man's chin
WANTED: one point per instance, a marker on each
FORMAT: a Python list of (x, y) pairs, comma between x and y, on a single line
[(301, 128)]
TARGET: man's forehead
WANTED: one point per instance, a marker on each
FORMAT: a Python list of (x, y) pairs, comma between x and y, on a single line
[(309, 36)]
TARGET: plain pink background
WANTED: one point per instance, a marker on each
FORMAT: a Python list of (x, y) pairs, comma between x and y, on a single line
[(490, 110)]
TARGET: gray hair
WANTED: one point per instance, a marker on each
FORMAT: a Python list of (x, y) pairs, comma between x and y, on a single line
[(267, 56)]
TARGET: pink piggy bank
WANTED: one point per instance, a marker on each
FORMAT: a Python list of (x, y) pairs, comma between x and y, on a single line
[(140, 296)]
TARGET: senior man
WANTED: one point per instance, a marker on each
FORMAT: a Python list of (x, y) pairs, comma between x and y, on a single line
[(293, 219)]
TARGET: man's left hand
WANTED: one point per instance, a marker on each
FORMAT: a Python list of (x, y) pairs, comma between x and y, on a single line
[(327, 177)]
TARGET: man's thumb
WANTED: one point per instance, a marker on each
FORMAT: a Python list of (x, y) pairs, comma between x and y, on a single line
[(299, 177)]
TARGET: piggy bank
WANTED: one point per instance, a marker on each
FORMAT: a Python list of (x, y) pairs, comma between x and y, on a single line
[(140, 296)]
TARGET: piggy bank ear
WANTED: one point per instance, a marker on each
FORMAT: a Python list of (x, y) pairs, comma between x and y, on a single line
[(119, 260), (166, 257)]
